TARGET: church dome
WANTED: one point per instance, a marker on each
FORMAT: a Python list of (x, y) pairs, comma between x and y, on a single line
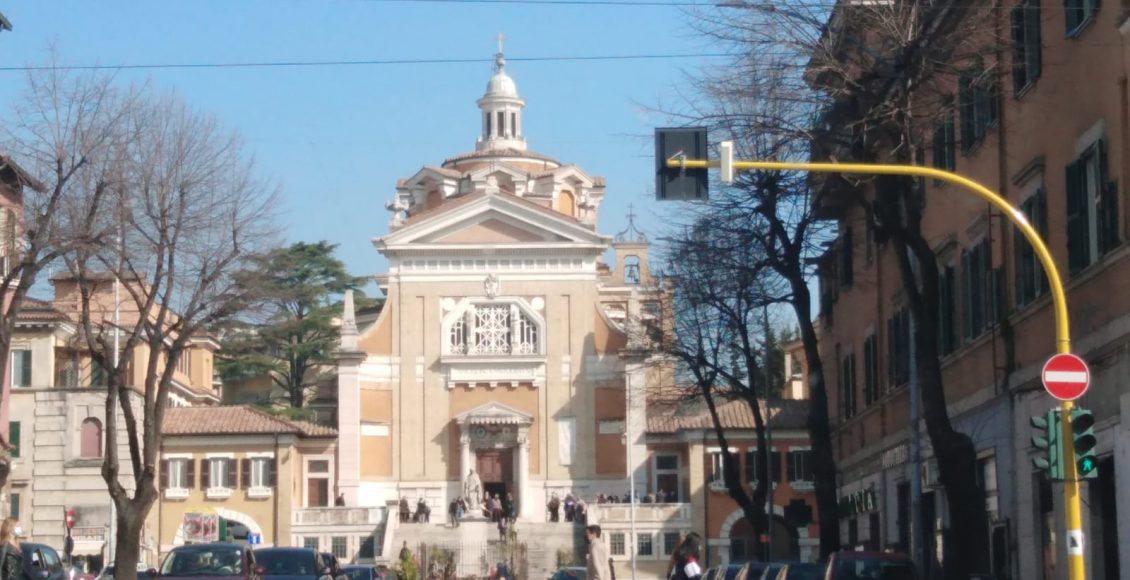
[(501, 85)]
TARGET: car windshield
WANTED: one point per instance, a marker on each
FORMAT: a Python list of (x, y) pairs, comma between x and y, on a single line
[(569, 574), (204, 561), (359, 573), (286, 562), (875, 570)]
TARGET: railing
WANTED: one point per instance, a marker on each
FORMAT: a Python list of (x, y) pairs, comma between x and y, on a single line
[(338, 516), (645, 512)]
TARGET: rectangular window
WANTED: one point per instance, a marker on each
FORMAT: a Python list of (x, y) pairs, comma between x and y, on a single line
[(847, 385), (260, 472), (14, 438), (178, 473), (97, 376), (21, 368), (318, 483), (947, 330), (987, 479), (340, 547), (1092, 208), (944, 141), (754, 467), (800, 465), (514, 124), (870, 370), (644, 546), (1031, 282), (1025, 44), (667, 476), (977, 289), (311, 543), (488, 124), (847, 249), (501, 124), (670, 541), (616, 543), (716, 468), (898, 351), (977, 99), (15, 508), (1077, 13), (219, 470)]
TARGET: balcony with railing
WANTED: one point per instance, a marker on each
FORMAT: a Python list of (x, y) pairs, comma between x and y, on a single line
[(673, 513), (338, 516)]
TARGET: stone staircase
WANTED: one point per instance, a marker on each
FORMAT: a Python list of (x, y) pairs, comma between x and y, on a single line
[(475, 546)]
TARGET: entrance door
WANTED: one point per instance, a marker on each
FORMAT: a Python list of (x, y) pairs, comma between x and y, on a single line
[(496, 471)]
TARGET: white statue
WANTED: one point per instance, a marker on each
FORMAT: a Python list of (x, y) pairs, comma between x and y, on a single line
[(472, 491), (490, 286)]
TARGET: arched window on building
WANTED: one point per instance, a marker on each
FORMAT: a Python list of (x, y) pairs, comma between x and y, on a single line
[(631, 270), (91, 438), (433, 200), (567, 203)]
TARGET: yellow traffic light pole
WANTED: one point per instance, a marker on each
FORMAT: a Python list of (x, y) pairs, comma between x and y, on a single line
[(1076, 570)]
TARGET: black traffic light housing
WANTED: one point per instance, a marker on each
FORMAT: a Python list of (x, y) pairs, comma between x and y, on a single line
[(680, 183)]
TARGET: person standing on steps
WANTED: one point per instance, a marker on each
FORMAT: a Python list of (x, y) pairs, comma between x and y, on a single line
[(598, 558)]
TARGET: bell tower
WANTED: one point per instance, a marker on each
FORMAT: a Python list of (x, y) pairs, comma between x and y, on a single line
[(501, 110)]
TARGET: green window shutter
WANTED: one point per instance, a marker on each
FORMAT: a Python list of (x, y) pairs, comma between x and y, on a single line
[(1078, 230), (1107, 207), (1022, 265), (14, 437), (1019, 49), (1033, 50), (965, 104), (966, 295)]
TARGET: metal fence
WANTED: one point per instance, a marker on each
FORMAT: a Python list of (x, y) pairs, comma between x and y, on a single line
[(471, 560)]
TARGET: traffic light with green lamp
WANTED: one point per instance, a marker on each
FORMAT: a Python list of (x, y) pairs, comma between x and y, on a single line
[(1047, 439), (1084, 442)]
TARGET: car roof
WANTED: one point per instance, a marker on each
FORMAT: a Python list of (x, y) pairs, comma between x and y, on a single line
[(858, 555), (285, 549)]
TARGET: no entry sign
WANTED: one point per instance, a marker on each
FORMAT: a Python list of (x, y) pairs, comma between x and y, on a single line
[(1066, 377)]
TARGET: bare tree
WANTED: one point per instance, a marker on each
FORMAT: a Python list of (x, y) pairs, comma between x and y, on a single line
[(762, 104), (62, 138), (883, 74), (185, 213), (717, 286)]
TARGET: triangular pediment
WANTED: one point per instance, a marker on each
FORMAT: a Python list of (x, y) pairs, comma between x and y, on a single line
[(494, 413), (492, 219)]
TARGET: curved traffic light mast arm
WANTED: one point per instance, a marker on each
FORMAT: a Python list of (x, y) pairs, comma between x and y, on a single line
[(1076, 567)]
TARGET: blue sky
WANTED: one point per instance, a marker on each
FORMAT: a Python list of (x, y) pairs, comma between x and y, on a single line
[(336, 138)]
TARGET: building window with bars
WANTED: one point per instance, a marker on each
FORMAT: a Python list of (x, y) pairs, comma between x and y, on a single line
[(755, 466), (616, 541), (800, 467), (644, 545), (340, 547), (977, 100)]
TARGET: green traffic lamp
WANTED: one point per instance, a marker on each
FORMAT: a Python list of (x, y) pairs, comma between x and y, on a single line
[(1084, 442), (1046, 439)]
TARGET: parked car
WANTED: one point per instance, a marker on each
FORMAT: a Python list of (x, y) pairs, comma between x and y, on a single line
[(751, 571), (728, 572), (107, 573), (41, 562), (291, 564), (571, 573), (848, 565), (801, 571), (771, 570), (218, 560)]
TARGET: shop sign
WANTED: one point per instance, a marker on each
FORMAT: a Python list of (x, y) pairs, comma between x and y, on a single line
[(89, 534), (860, 502)]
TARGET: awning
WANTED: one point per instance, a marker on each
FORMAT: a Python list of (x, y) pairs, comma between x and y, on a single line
[(88, 548)]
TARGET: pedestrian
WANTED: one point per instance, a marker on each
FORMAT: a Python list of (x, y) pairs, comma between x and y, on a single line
[(496, 509), (570, 504), (405, 512), (598, 558), (453, 513), (686, 558), (11, 559), (553, 505), (502, 530), (675, 554), (512, 511)]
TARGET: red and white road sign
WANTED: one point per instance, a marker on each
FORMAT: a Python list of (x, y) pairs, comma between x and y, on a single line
[(1066, 377)]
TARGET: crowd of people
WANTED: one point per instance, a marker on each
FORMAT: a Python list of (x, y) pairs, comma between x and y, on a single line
[(575, 509)]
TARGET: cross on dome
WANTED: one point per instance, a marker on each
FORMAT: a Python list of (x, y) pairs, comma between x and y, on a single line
[(501, 109)]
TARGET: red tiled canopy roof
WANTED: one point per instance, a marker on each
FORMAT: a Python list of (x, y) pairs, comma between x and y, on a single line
[(783, 414), (236, 420)]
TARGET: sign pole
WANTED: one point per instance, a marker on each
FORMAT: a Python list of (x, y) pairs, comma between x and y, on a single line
[(1076, 568)]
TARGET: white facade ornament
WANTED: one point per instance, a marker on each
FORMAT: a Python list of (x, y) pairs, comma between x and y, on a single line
[(537, 303), (448, 304), (490, 286)]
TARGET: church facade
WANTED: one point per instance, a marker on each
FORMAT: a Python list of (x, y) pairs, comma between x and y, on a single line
[(503, 346)]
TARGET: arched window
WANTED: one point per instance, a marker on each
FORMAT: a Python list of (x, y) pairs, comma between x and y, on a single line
[(91, 438), (494, 328), (433, 200), (567, 203)]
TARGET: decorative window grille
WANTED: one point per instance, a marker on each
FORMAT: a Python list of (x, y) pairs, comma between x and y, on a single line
[(494, 329)]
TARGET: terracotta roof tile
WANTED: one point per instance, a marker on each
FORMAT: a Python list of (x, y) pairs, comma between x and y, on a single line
[(36, 310), (454, 202), (487, 153), (784, 414), (236, 420)]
